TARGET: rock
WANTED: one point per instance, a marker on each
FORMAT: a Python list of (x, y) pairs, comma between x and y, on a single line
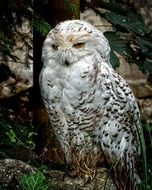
[(11, 168), (90, 16)]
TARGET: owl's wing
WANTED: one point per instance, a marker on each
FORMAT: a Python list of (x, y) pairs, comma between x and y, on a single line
[(118, 129)]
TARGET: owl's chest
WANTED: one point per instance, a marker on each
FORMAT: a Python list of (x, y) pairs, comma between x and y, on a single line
[(70, 98), (62, 83)]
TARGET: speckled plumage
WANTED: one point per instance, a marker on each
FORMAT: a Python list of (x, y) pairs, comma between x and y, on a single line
[(91, 108)]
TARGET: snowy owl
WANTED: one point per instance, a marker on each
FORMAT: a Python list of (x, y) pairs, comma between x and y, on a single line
[(91, 108)]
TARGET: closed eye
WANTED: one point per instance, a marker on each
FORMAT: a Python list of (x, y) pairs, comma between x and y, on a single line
[(78, 45)]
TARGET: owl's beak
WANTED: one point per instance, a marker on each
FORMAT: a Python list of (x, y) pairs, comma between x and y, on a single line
[(66, 63), (65, 55)]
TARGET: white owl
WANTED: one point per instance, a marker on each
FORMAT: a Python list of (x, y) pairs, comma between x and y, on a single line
[(91, 108)]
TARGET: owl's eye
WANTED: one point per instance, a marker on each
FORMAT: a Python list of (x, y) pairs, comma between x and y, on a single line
[(79, 45), (55, 47)]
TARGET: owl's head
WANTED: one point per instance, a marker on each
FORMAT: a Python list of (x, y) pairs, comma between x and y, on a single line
[(73, 40)]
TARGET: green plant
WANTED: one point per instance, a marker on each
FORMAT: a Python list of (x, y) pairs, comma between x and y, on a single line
[(147, 129), (40, 25), (35, 181), (72, 7), (130, 35), (13, 135)]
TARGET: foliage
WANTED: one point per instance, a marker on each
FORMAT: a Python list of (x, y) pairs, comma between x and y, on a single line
[(14, 135), (72, 6), (12, 13), (148, 142), (130, 35), (35, 181), (40, 25)]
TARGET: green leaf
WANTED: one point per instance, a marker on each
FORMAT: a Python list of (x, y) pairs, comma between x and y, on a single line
[(136, 24), (115, 18), (145, 45), (35, 181), (146, 67), (11, 136), (133, 22), (114, 61), (116, 43), (72, 7), (119, 44), (41, 25), (143, 151), (117, 8), (30, 134)]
